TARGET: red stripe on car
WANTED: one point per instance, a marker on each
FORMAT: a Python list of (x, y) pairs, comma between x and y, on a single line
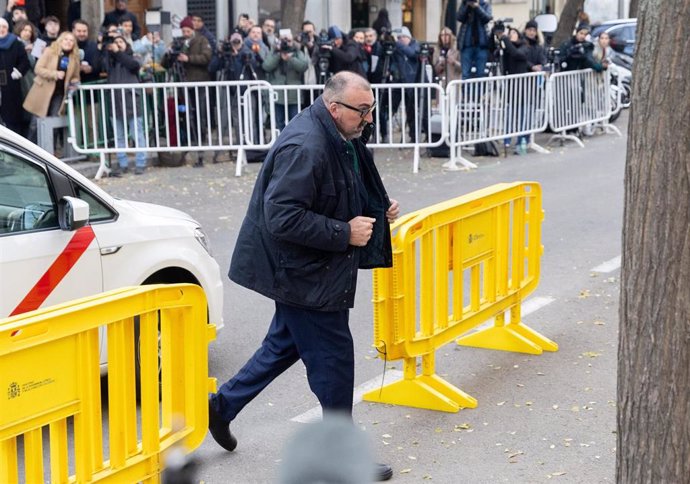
[(57, 271)]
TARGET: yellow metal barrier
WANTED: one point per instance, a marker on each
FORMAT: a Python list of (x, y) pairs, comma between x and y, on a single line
[(456, 265), (51, 388)]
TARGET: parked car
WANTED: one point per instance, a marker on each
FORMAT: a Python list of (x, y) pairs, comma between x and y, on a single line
[(62, 237), (621, 32)]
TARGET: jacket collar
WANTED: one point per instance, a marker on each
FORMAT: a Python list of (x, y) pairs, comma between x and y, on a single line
[(321, 112)]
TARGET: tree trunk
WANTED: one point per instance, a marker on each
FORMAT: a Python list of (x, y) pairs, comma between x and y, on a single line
[(293, 15), (653, 441), (567, 21), (634, 7)]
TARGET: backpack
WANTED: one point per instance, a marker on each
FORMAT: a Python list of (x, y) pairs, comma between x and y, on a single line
[(486, 148)]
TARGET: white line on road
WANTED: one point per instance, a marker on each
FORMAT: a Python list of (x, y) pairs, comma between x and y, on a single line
[(608, 266), (314, 414)]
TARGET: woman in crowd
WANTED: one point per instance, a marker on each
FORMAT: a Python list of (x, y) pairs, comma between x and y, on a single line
[(13, 65), (26, 31), (446, 58), (57, 71), (123, 68), (382, 23)]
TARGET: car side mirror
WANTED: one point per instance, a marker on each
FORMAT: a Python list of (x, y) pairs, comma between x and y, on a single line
[(73, 213)]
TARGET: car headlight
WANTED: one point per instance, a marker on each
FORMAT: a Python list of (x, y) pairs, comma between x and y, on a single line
[(201, 236)]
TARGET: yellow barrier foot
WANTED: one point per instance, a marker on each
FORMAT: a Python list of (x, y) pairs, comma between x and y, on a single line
[(428, 392), (514, 337)]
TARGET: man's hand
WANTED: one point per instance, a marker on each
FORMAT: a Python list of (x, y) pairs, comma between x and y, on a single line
[(183, 58), (360, 230), (393, 211)]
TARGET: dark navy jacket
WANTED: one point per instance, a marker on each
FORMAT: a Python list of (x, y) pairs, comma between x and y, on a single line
[(293, 246), (474, 22)]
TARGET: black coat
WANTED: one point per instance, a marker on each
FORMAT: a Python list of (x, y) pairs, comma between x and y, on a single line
[(578, 55), (536, 54), (514, 56), (293, 246), (11, 57), (348, 57)]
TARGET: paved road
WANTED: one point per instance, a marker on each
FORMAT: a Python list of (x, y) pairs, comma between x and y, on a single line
[(548, 418)]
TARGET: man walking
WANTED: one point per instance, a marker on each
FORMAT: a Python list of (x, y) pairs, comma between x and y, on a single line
[(319, 211)]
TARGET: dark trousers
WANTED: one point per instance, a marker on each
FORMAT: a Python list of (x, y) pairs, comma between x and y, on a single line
[(322, 340)]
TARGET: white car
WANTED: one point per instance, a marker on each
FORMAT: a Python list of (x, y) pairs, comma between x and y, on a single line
[(62, 237)]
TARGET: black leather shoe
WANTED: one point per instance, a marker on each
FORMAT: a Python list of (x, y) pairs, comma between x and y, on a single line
[(382, 472), (220, 430)]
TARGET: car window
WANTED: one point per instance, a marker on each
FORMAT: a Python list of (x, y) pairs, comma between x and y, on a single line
[(26, 198), (98, 211)]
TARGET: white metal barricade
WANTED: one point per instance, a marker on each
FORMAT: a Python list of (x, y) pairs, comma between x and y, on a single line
[(578, 99), (403, 117), (494, 108), (170, 117)]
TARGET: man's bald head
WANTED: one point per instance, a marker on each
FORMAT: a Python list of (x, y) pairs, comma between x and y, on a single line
[(342, 82)]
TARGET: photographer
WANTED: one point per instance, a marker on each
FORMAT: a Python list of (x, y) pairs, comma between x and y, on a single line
[(232, 62), (123, 68), (514, 59), (473, 39), (345, 52), (187, 60), (285, 66), (577, 53), (255, 43), (307, 44), (446, 58)]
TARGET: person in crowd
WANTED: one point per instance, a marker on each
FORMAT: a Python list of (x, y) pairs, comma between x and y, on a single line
[(254, 41), (371, 49), (268, 35), (57, 72), (14, 14), (577, 52), (319, 211), (515, 52), (51, 29), (364, 58), (232, 62), (382, 23), (473, 39), (242, 26), (201, 29), (345, 53), (32, 10), (536, 54), (26, 32), (127, 30), (122, 67), (73, 11), (602, 51), (285, 66), (14, 64), (150, 48), (583, 20), (307, 44), (446, 58), (116, 16), (90, 64), (191, 65), (405, 68)]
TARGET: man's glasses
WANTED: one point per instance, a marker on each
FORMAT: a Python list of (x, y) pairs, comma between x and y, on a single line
[(362, 111)]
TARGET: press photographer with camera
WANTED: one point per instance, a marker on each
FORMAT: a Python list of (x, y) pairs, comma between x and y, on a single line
[(306, 42), (473, 38), (345, 53), (254, 42), (122, 67), (187, 60), (577, 53), (285, 66), (446, 58)]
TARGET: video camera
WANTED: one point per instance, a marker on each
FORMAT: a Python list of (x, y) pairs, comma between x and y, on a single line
[(304, 38), (177, 47), (107, 38), (323, 40), (387, 42), (285, 46), (425, 51), (501, 25)]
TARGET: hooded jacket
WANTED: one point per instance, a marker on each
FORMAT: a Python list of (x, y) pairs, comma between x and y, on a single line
[(293, 246)]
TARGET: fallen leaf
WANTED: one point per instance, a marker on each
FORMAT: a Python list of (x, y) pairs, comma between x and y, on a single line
[(406, 471), (591, 354)]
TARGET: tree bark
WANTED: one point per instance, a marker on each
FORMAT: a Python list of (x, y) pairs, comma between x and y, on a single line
[(653, 440), (634, 7), (293, 15), (567, 21)]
